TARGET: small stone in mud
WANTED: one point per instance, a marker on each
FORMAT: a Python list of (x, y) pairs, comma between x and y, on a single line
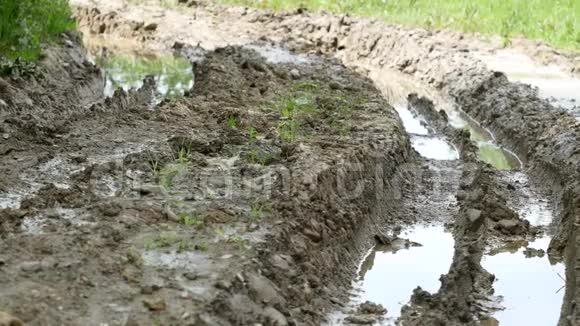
[(512, 226), (223, 285), (191, 276), (361, 320), (312, 235), (474, 218), (532, 252), (9, 320), (372, 308), (155, 304), (150, 27), (295, 74), (110, 209)]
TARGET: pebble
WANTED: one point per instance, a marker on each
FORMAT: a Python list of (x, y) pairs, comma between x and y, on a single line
[(155, 304)]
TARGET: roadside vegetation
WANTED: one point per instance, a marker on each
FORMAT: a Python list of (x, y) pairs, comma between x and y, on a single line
[(556, 22), (26, 24)]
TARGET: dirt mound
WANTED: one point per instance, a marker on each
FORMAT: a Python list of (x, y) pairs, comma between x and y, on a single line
[(233, 205)]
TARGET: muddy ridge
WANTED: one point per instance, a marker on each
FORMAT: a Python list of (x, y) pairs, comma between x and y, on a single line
[(124, 225)]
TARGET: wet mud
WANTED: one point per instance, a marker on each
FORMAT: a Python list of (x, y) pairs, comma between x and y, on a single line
[(290, 181)]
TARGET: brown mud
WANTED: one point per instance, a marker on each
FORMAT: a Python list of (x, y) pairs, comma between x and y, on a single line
[(252, 199), (173, 216)]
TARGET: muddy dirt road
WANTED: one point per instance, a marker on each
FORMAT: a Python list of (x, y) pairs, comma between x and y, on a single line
[(203, 165)]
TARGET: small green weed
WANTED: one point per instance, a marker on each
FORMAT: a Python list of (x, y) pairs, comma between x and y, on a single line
[(163, 240), (257, 156), (253, 134), (232, 122), (239, 241), (166, 175), (202, 246), (191, 219), (257, 210)]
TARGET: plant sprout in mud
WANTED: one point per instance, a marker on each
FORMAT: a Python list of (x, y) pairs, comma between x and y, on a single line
[(191, 219), (257, 210), (232, 122), (173, 76), (165, 175)]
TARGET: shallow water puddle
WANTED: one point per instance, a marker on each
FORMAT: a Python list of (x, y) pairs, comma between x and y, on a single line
[(531, 288), (430, 147), (434, 148), (552, 83), (489, 151), (396, 88), (173, 75), (388, 274)]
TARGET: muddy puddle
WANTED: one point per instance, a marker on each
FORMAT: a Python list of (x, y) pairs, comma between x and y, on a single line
[(552, 83), (529, 288), (388, 274), (173, 75), (524, 276), (396, 87)]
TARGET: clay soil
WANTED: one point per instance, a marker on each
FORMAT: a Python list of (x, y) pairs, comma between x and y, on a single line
[(252, 199)]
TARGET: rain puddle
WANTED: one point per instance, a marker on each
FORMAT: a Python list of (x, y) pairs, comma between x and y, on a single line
[(173, 75), (526, 282), (388, 274), (489, 151), (553, 84), (434, 148), (278, 55), (528, 286), (428, 146), (396, 87)]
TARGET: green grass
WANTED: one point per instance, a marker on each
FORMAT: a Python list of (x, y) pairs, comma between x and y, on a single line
[(26, 24), (232, 122), (191, 219), (258, 209), (556, 22)]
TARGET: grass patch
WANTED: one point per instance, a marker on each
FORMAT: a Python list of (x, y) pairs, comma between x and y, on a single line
[(232, 122), (168, 240), (556, 22), (310, 104), (191, 219), (165, 175), (26, 24), (258, 209)]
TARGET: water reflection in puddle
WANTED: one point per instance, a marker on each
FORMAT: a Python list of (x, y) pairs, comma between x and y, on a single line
[(489, 151), (434, 148), (173, 75), (430, 147), (530, 288), (412, 123), (389, 274)]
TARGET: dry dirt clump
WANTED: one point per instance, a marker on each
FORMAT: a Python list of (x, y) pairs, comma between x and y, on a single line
[(250, 200)]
